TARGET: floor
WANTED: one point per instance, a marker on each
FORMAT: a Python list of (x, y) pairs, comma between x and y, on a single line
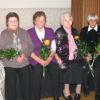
[(90, 97)]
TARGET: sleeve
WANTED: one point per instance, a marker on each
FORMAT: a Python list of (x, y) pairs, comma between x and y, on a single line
[(2, 40), (28, 45), (53, 45), (53, 42), (82, 34)]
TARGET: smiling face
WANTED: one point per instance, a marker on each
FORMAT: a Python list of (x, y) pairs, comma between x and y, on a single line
[(92, 23), (40, 22), (67, 21), (13, 23)]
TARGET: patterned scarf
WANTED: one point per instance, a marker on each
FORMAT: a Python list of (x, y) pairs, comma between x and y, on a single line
[(72, 45), (16, 42)]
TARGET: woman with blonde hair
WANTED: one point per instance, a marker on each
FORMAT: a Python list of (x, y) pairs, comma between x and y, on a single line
[(66, 50)]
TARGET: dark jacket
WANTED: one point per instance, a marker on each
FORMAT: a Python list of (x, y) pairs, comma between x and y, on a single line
[(62, 42), (90, 37)]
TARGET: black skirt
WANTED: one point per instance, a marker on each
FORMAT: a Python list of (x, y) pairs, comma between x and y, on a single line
[(73, 74), (48, 85)]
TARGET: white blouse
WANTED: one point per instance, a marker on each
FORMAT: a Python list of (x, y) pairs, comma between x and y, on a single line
[(41, 35)]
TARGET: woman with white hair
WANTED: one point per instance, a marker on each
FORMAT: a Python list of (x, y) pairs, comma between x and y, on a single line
[(66, 48), (90, 35)]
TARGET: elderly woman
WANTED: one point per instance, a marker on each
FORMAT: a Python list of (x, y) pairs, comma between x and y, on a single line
[(91, 34), (38, 34), (66, 49), (17, 38)]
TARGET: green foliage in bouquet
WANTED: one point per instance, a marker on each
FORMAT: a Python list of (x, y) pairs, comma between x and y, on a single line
[(82, 50), (97, 49), (8, 53), (45, 52), (96, 53)]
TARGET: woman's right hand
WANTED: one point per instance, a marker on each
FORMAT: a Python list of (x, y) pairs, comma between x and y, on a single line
[(59, 61), (38, 59), (89, 57), (42, 62), (21, 58)]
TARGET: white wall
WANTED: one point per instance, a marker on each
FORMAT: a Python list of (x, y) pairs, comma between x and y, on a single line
[(26, 9), (35, 3), (25, 15)]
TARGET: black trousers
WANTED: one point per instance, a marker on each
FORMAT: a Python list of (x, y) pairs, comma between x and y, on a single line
[(97, 74), (97, 80), (48, 85), (24, 76)]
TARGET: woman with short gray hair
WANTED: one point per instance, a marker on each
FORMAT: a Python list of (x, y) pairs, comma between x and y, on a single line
[(91, 35), (92, 16)]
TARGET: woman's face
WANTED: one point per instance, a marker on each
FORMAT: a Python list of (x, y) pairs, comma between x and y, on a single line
[(40, 22), (93, 23), (67, 22), (13, 23)]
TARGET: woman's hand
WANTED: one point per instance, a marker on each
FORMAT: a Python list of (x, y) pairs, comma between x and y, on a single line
[(42, 62), (98, 52), (89, 57), (48, 61), (59, 61), (38, 59), (21, 58)]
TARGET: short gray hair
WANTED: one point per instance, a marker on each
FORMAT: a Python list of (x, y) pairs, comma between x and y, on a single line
[(92, 16), (66, 14)]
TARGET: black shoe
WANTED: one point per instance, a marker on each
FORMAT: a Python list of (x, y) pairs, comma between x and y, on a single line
[(56, 98), (77, 97), (68, 98), (86, 91)]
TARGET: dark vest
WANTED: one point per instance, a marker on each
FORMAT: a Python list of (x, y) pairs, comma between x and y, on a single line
[(49, 34)]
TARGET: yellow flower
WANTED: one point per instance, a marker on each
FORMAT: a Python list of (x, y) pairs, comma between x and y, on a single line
[(46, 42), (76, 37)]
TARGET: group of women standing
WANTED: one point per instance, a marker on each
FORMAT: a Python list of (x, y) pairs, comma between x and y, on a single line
[(28, 66)]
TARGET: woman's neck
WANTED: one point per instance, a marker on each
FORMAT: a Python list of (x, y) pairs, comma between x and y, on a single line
[(39, 29), (67, 28), (13, 31)]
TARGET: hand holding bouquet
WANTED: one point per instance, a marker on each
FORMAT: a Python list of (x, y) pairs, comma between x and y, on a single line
[(45, 52), (8, 53)]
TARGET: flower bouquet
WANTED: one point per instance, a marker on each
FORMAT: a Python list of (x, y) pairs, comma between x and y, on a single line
[(82, 52), (8, 53), (45, 52)]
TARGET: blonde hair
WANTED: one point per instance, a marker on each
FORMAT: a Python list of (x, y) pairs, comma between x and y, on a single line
[(65, 14)]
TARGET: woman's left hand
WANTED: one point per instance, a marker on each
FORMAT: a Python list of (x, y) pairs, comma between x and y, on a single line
[(21, 58), (48, 61), (98, 52)]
